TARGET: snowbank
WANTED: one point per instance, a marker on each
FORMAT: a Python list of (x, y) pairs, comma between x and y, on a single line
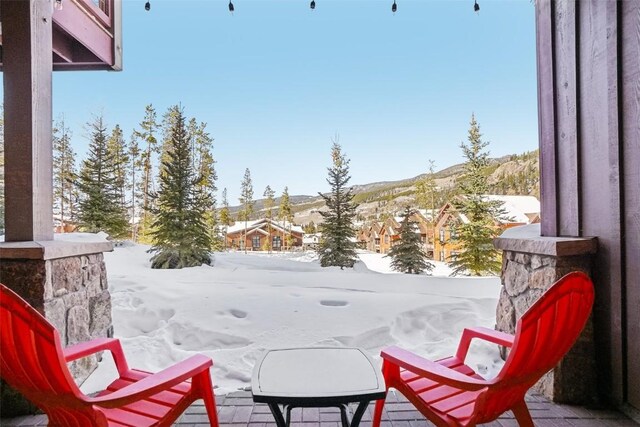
[(246, 303)]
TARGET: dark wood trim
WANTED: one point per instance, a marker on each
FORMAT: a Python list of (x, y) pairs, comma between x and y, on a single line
[(616, 268), (613, 13)]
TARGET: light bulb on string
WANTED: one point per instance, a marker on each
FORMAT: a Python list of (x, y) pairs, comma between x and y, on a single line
[(231, 8), (57, 4), (476, 6), (394, 7), (312, 5), (147, 6)]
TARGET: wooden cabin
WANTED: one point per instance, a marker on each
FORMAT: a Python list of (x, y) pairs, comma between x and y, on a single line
[(520, 210), (263, 235)]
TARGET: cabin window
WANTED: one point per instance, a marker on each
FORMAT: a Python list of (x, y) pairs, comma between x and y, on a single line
[(386, 238), (452, 233), (277, 242), (255, 240), (442, 255), (442, 234)]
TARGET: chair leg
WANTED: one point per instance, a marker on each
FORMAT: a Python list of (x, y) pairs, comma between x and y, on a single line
[(377, 413), (209, 398), (522, 414)]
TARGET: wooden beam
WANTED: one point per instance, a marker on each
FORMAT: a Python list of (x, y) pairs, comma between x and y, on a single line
[(600, 181), (630, 78), (546, 117), (27, 61), (567, 149), (75, 21)]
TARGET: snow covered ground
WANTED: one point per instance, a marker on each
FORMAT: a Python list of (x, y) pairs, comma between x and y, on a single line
[(246, 303)]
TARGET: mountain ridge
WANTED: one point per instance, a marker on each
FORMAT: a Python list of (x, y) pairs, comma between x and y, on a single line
[(391, 194)]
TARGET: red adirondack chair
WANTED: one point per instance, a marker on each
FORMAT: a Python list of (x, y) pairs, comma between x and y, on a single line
[(33, 361), (450, 393)]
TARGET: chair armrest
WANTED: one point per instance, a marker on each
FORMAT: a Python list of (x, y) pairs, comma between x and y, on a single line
[(155, 383), (486, 334), (88, 348), (432, 370)]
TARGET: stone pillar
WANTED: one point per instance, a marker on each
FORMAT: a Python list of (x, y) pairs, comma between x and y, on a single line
[(530, 265), (67, 283)]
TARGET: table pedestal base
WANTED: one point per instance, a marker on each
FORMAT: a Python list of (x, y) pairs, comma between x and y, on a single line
[(355, 421)]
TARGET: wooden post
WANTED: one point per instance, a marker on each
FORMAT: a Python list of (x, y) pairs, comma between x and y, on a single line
[(27, 68)]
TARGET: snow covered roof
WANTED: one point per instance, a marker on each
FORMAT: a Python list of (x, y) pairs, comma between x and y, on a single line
[(310, 238), (520, 209), (240, 225)]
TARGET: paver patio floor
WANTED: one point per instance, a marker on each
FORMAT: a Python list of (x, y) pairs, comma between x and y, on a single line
[(238, 410)]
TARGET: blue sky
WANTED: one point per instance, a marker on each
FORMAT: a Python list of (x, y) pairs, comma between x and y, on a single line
[(276, 80)]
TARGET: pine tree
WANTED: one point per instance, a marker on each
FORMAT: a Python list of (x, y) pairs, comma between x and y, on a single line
[(478, 256), (204, 165), (64, 173), (148, 128), (100, 208), (247, 203), (134, 166), (117, 152), (310, 228), (180, 234), (426, 196), (337, 246), (225, 216), (269, 202), (407, 254), (285, 215)]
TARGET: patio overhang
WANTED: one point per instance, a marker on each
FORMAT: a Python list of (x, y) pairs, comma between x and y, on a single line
[(85, 35)]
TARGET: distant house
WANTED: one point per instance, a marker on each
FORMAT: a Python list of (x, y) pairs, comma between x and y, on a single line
[(388, 233), (259, 233), (520, 210), (310, 241), (66, 226), (369, 237)]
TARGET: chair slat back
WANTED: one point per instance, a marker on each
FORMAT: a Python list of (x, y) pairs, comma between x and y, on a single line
[(544, 334), (31, 358)]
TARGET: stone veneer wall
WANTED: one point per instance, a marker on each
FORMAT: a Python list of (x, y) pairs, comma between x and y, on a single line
[(72, 293), (530, 265)]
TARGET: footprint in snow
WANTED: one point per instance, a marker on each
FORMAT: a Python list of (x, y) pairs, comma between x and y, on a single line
[(333, 303), (238, 313)]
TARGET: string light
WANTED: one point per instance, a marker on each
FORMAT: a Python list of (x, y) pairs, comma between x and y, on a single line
[(394, 7), (313, 4), (147, 6), (57, 4), (231, 8), (476, 6)]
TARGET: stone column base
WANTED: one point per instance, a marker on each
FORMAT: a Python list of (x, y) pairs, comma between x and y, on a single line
[(530, 265), (67, 283)]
